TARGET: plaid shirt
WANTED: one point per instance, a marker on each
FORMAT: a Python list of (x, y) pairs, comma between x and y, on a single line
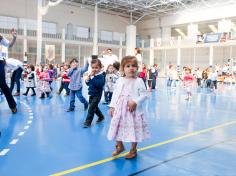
[(75, 76)]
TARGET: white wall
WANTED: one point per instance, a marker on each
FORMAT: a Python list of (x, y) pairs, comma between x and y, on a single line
[(62, 15)]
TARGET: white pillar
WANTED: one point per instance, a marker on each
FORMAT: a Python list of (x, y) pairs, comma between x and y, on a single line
[(192, 31), (25, 45), (211, 50), (120, 49), (151, 53), (39, 33), (63, 46), (95, 35), (178, 56), (130, 39)]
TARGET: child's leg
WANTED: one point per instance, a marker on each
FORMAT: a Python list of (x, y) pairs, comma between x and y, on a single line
[(72, 100), (119, 148), (81, 98), (93, 108), (133, 151), (33, 91), (26, 93)]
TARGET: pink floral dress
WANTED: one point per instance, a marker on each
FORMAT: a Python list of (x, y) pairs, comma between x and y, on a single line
[(127, 126)]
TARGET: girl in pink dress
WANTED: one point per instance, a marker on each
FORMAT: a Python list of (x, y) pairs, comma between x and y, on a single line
[(188, 83), (128, 123)]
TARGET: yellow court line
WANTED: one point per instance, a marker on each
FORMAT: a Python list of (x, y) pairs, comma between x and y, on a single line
[(144, 148)]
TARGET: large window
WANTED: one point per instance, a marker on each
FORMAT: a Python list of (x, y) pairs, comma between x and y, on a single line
[(8, 22), (48, 27), (29, 24), (117, 36), (82, 32), (106, 35)]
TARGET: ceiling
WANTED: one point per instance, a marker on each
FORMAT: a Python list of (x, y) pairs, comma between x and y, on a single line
[(135, 8)]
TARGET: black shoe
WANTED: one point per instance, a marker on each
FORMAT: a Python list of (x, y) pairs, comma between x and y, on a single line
[(86, 125), (33, 95), (105, 103), (100, 119), (85, 107), (14, 110), (24, 94), (70, 109)]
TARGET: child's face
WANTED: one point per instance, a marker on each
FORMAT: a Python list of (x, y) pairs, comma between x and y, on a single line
[(74, 64), (110, 69), (95, 68), (130, 69), (65, 67), (187, 71)]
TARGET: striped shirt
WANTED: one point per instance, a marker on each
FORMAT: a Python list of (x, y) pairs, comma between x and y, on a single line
[(75, 76)]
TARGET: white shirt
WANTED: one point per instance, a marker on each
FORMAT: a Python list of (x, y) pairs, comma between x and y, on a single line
[(13, 64), (107, 60), (213, 76)]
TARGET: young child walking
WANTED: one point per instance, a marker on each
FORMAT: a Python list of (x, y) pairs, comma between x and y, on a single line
[(95, 82), (75, 74), (43, 86), (110, 81), (188, 83), (126, 109), (30, 82)]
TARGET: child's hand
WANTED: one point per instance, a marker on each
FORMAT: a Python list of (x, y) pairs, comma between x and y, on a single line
[(111, 111), (132, 106)]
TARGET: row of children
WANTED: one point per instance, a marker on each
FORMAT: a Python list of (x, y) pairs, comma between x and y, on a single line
[(128, 122)]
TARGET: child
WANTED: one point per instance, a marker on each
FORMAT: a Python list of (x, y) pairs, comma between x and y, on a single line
[(30, 82), (75, 74), (111, 78), (128, 123), (43, 83), (188, 83), (65, 81), (95, 82)]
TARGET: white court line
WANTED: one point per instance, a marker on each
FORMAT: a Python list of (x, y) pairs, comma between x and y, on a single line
[(4, 152), (21, 133), (26, 127), (31, 113), (31, 117), (29, 122), (14, 141)]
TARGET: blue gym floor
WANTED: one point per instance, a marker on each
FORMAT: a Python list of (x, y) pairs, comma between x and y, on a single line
[(188, 138)]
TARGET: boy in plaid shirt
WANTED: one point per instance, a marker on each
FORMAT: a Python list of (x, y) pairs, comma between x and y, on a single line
[(75, 74)]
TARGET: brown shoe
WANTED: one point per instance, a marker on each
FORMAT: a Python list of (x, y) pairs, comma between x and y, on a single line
[(119, 149), (17, 94), (132, 154)]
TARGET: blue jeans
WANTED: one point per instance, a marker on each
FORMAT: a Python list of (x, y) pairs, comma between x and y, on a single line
[(79, 95)]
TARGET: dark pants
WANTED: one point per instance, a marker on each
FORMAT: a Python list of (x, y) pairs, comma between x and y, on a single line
[(79, 95), (199, 82), (93, 109), (5, 89), (108, 96), (27, 90), (154, 81), (214, 84), (64, 85), (16, 79)]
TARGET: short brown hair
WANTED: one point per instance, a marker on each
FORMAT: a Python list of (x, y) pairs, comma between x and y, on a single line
[(126, 60), (96, 61)]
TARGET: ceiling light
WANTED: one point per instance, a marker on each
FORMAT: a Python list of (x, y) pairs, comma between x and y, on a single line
[(180, 32), (213, 28)]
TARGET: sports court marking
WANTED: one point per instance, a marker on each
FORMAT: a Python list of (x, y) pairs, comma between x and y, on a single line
[(76, 169)]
